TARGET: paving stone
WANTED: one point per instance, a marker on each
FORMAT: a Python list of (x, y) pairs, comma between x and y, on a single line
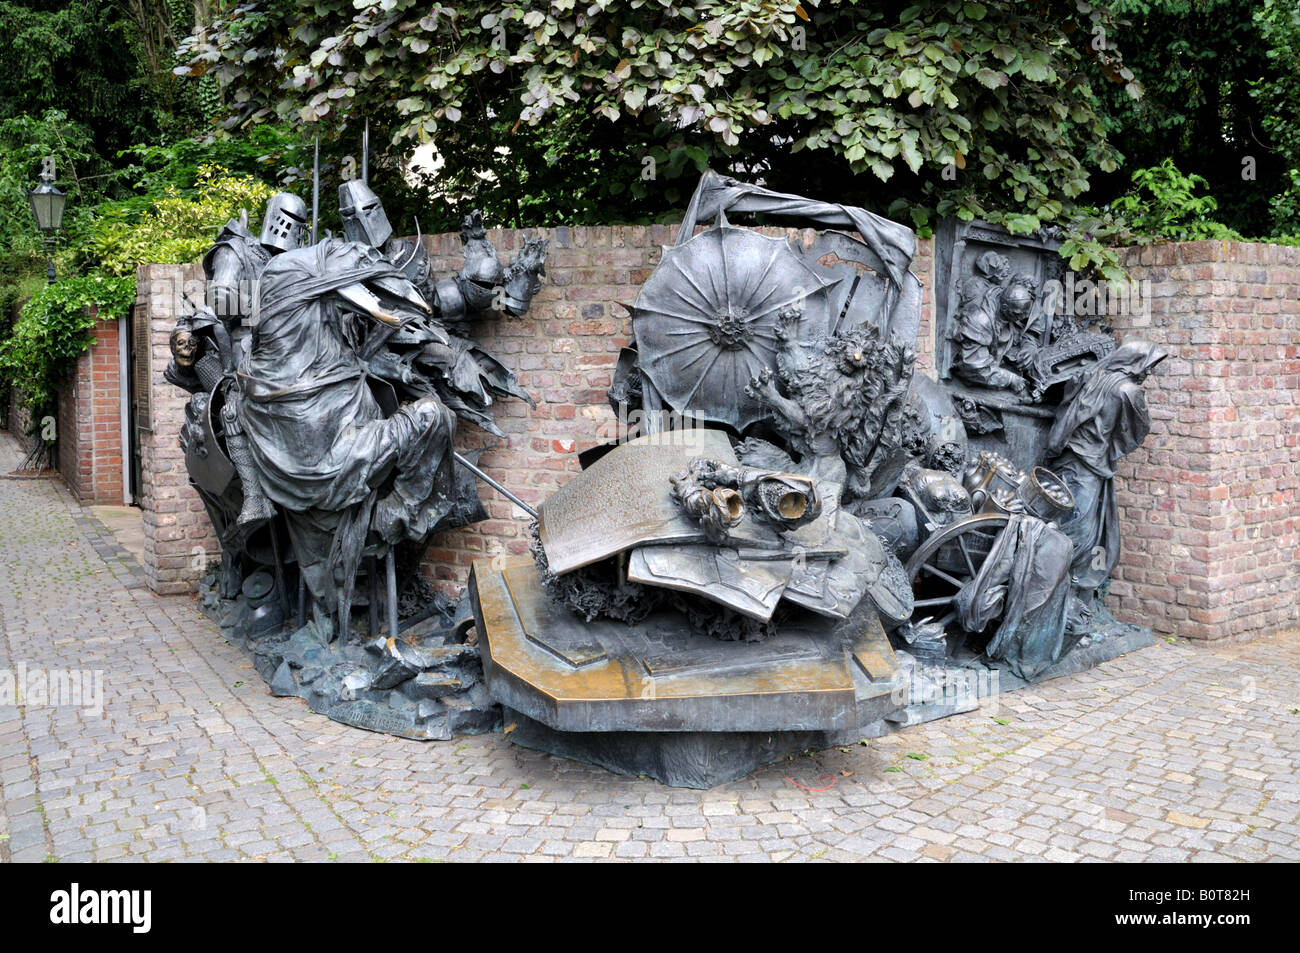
[(1157, 756)]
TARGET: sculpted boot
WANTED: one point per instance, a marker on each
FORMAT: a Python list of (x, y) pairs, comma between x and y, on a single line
[(257, 507)]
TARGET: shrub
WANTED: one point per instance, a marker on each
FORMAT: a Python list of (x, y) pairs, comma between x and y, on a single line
[(173, 228), (54, 330)]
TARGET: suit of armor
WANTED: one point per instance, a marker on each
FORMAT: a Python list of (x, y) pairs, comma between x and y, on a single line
[(233, 267)]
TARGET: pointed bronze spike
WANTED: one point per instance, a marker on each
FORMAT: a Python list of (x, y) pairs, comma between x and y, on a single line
[(365, 153), (419, 240), (315, 193)]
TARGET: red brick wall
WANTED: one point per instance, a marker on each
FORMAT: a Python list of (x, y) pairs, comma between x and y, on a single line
[(1210, 505), (564, 351), (89, 422), (179, 541)]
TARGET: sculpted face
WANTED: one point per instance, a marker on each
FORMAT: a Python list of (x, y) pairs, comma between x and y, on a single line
[(185, 347)]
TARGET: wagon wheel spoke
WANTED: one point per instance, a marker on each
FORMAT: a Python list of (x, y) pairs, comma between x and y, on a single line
[(925, 563), (965, 554), (935, 570)]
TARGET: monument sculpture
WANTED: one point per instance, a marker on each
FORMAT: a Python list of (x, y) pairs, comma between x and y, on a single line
[(704, 600), (804, 536), (327, 386), (1102, 418)]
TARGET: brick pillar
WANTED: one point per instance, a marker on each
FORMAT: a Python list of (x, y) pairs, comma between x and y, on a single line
[(178, 536), (1210, 505), (89, 422)]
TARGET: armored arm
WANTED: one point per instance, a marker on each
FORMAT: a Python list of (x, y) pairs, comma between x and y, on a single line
[(224, 295), (524, 277)]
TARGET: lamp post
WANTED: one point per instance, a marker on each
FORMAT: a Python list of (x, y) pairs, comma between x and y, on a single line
[(47, 205)]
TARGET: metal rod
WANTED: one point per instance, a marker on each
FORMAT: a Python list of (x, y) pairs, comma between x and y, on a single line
[(279, 569), (391, 562), (495, 485), (372, 570), (315, 193), (302, 597), (365, 153)]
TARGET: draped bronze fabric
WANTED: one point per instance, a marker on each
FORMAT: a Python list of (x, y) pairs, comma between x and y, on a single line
[(894, 243), (1103, 417), (317, 434), (1026, 581)]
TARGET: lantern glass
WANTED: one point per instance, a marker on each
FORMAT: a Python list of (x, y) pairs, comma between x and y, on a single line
[(47, 205)]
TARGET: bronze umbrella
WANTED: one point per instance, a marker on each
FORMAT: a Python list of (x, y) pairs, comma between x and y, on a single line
[(713, 314)]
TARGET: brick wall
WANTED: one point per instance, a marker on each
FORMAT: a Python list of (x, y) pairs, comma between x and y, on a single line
[(178, 537), (89, 422), (564, 351), (1210, 505), (20, 416)]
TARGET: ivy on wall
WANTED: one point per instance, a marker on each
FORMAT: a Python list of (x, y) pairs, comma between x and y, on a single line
[(54, 330)]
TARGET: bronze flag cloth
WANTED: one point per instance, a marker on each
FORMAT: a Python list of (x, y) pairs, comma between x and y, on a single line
[(894, 243)]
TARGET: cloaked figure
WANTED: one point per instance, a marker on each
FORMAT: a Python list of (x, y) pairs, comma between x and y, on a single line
[(447, 365), (326, 452), (1103, 417)]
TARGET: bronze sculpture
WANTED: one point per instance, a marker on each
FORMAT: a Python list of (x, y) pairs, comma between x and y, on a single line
[(437, 357), (697, 602), (208, 346), (809, 386), (319, 438), (1103, 417), (993, 341), (321, 441)]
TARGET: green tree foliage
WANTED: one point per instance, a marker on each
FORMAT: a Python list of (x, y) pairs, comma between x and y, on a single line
[(1162, 205), (75, 56), (556, 111), (54, 331), (173, 229), (1278, 95), (25, 142), (1199, 63)]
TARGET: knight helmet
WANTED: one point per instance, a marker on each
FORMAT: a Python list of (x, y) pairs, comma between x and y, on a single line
[(363, 215), (285, 223)]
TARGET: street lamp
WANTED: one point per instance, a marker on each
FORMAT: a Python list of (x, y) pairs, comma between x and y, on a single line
[(47, 205)]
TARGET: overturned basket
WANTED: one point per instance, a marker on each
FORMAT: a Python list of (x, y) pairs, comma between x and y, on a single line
[(1045, 495)]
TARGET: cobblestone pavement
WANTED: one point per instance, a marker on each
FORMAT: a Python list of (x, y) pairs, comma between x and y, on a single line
[(1172, 753)]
